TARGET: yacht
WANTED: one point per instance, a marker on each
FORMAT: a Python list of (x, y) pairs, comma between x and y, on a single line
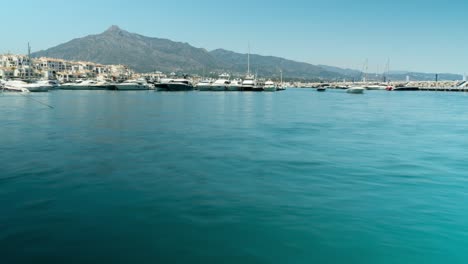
[(87, 85), (281, 86), (55, 84), (259, 86), (132, 85), (204, 85), (249, 83), (10, 88), (222, 83), (270, 86), (376, 87), (174, 85), (235, 85), (355, 90), (20, 86)]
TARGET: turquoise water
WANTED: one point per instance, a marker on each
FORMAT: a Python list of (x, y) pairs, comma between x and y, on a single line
[(199, 177)]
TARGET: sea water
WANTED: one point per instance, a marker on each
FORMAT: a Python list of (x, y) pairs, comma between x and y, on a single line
[(234, 177)]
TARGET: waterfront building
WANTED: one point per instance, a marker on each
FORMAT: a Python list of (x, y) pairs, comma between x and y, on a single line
[(21, 66)]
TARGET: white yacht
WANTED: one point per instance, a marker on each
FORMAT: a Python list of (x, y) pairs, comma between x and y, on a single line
[(20, 86), (249, 83), (55, 84), (259, 85), (222, 83), (87, 85), (204, 85), (10, 88), (235, 85), (355, 90), (132, 85), (270, 86), (376, 87)]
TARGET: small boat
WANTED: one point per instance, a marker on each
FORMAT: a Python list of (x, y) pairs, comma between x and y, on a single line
[(355, 90), (321, 89)]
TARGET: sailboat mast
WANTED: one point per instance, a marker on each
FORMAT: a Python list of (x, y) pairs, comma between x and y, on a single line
[(248, 61), (29, 61), (387, 70), (366, 66)]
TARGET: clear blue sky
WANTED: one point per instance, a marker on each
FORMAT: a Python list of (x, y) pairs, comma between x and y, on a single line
[(415, 35)]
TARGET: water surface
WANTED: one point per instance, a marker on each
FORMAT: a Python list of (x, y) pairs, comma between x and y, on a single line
[(212, 177)]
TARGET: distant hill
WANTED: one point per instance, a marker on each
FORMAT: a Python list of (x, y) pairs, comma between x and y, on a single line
[(270, 66), (346, 72), (148, 54), (419, 76)]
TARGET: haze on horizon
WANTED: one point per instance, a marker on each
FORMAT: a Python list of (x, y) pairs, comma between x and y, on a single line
[(414, 35)]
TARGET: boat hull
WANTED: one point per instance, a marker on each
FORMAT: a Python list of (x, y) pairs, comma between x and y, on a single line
[(40, 89), (131, 87), (174, 87), (233, 88), (204, 88), (12, 89), (269, 89), (87, 87), (34, 89), (257, 89), (355, 90)]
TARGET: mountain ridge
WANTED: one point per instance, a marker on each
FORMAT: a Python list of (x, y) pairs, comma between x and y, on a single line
[(148, 54)]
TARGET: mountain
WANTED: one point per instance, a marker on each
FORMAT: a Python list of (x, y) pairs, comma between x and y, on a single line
[(143, 54), (146, 54)]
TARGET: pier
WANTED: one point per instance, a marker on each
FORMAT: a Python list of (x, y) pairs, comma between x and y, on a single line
[(435, 86)]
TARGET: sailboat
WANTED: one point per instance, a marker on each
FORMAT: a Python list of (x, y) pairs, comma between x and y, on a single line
[(281, 85), (249, 82)]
